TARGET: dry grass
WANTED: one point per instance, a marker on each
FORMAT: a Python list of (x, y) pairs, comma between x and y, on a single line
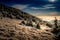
[(11, 30)]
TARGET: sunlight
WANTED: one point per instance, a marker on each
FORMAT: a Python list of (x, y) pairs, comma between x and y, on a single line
[(52, 0), (49, 18)]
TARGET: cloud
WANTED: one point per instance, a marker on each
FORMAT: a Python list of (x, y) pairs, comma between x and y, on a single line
[(20, 6), (49, 6), (37, 8), (34, 8)]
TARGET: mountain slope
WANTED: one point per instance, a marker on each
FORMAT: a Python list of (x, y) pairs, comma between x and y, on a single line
[(13, 13), (6, 11), (10, 28)]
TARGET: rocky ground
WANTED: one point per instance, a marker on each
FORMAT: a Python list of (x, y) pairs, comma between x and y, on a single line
[(11, 30)]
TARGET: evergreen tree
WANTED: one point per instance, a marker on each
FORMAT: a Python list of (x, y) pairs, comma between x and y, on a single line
[(55, 28), (55, 23), (29, 23), (38, 26), (56, 31), (23, 22)]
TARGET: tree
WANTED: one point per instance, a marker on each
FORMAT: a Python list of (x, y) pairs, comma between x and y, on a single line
[(29, 23), (55, 31), (38, 26), (23, 22), (55, 23)]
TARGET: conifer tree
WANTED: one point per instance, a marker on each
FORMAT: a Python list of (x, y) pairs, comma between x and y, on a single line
[(38, 26), (55, 31), (55, 22)]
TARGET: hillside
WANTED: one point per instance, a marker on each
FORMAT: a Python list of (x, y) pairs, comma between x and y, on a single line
[(16, 25), (6, 11), (11, 30), (13, 13)]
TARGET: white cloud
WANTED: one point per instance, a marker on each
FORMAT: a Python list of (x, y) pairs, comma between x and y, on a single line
[(49, 6), (37, 8), (20, 6)]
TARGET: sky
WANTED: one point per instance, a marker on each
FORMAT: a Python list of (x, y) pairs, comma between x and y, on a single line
[(36, 7)]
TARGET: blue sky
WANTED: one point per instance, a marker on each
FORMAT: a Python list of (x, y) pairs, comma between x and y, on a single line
[(36, 7)]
